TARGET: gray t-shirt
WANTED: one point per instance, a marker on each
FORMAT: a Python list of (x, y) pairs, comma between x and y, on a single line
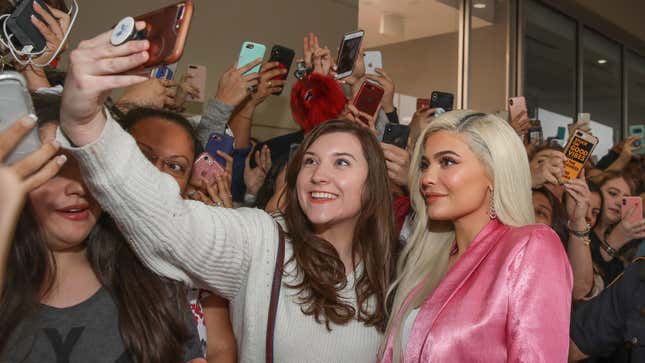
[(87, 332)]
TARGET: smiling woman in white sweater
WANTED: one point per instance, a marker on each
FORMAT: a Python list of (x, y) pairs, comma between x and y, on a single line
[(331, 305)]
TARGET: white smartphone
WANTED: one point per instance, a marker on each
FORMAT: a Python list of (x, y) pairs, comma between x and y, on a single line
[(15, 102), (197, 75), (372, 59), (348, 53)]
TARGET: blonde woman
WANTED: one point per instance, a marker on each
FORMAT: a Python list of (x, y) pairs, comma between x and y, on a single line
[(477, 282)]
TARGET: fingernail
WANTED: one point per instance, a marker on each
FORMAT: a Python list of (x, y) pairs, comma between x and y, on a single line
[(29, 120), (61, 159)]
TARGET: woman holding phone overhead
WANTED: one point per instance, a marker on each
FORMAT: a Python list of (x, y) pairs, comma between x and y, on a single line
[(329, 299), (476, 280)]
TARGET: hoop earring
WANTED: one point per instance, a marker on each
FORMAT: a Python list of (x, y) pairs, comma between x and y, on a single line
[(492, 214)]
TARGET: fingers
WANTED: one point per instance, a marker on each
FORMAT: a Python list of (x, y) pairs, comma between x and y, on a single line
[(229, 160), (249, 66), (47, 172), (52, 24), (265, 158), (10, 137), (35, 160)]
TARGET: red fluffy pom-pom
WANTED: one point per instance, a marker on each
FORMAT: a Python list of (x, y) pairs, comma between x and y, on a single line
[(316, 99)]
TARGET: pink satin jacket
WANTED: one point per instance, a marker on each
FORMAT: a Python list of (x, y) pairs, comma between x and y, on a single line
[(507, 299)]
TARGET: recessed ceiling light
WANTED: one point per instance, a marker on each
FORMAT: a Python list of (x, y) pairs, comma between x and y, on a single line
[(602, 61), (479, 5)]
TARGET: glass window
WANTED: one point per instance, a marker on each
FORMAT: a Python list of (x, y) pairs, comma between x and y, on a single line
[(488, 28), (635, 89), (549, 64), (601, 83), (419, 46)]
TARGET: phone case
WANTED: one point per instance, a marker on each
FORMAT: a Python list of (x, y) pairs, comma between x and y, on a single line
[(534, 136), (348, 52), (515, 106), (578, 151), (628, 204), (423, 102), (198, 79), (369, 98), (15, 102), (206, 168), (221, 142), (638, 130), (166, 30), (444, 100), (250, 51), (285, 56), (166, 71), (397, 135), (20, 25), (372, 60)]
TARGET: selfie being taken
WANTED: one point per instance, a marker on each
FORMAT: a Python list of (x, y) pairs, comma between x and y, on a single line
[(325, 181)]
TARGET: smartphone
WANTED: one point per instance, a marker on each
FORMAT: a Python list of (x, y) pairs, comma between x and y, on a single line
[(628, 204), (166, 71), (562, 131), (197, 75), (444, 100), (206, 168), (15, 102), (578, 151), (284, 56), (250, 51), (167, 30), (515, 106), (535, 136), (221, 142), (24, 32), (369, 98), (372, 60), (397, 135), (423, 102), (348, 53), (638, 130)]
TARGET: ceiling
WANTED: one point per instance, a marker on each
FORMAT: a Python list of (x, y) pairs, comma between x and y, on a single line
[(420, 18)]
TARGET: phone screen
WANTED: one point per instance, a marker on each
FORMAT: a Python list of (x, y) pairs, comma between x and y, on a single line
[(578, 151), (348, 54)]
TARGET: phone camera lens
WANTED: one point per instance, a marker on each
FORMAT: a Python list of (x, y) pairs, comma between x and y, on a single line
[(249, 46), (510, 102), (434, 96)]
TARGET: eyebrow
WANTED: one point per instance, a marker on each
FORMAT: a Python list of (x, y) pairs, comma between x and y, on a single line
[(335, 154), (445, 152), (149, 148)]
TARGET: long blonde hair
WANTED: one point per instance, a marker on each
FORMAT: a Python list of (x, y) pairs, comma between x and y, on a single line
[(425, 257)]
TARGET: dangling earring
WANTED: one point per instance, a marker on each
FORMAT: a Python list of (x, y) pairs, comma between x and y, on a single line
[(491, 209)]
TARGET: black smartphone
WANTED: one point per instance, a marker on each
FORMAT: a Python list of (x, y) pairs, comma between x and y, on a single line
[(24, 31), (397, 135), (285, 56), (444, 100)]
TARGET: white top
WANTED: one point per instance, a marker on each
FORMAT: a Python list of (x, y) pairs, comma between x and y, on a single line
[(231, 252), (407, 327)]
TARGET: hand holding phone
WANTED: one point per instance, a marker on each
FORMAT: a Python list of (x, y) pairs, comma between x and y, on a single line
[(632, 209), (248, 53), (284, 56), (219, 142), (577, 152), (207, 169)]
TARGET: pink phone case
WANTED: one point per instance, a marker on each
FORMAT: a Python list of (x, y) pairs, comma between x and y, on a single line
[(515, 106), (198, 79), (206, 168), (628, 204)]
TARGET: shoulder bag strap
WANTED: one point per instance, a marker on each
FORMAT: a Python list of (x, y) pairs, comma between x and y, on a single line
[(275, 296)]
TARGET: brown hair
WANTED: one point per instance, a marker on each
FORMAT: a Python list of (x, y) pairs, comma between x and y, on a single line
[(322, 271)]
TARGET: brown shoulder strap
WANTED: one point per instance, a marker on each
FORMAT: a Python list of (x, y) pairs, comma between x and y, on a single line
[(275, 296)]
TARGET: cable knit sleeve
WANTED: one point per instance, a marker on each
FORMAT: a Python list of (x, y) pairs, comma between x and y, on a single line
[(540, 283), (184, 240)]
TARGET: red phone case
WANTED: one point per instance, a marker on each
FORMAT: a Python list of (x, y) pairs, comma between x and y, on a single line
[(628, 204), (423, 102), (166, 30), (369, 98), (206, 168)]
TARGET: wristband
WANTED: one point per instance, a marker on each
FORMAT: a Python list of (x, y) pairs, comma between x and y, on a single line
[(581, 234)]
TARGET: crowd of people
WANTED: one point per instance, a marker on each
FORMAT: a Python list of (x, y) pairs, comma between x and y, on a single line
[(322, 245)]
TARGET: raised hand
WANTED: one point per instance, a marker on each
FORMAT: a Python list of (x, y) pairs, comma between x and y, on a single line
[(254, 177), (234, 86)]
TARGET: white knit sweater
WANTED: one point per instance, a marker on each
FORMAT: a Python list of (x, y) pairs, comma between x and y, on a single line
[(231, 252)]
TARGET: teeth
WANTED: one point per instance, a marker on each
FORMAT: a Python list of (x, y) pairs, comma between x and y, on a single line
[(74, 210), (321, 195)]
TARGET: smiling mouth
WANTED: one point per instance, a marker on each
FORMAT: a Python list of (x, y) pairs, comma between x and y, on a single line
[(75, 213), (322, 196)]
